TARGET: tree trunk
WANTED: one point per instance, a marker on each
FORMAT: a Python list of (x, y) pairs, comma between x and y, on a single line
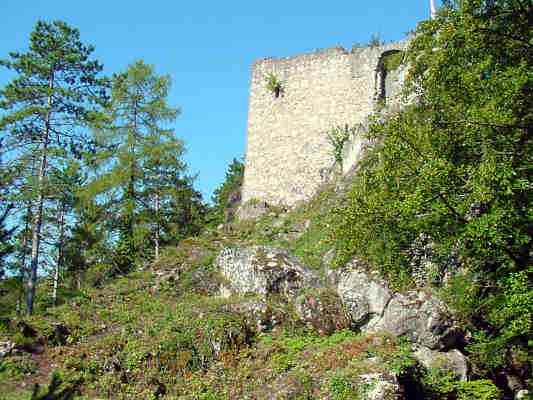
[(38, 217), (20, 300), (433, 9), (59, 253), (156, 227)]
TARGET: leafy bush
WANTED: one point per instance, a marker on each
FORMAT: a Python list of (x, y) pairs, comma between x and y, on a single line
[(337, 137), (456, 166), (17, 367)]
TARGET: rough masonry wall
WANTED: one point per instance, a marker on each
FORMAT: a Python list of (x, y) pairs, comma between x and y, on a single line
[(288, 155)]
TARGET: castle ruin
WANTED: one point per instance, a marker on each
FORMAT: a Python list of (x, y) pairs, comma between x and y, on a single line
[(288, 154)]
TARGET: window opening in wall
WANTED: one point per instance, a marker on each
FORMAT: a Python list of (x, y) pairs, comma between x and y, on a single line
[(388, 62)]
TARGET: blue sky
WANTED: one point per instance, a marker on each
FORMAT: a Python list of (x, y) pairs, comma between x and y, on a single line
[(207, 47)]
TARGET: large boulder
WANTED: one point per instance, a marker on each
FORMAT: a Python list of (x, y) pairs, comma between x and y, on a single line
[(420, 317), (373, 306), (263, 271), (364, 295)]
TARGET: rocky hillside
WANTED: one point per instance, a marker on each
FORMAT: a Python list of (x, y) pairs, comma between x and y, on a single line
[(251, 310), (410, 279)]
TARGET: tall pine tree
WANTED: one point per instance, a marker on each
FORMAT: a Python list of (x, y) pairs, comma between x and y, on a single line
[(139, 171), (56, 91)]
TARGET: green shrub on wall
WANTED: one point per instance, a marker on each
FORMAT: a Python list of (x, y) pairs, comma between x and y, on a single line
[(274, 85), (338, 136)]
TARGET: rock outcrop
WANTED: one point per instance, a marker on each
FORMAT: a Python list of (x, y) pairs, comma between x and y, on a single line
[(365, 296), (356, 297), (421, 318), (417, 315), (263, 271)]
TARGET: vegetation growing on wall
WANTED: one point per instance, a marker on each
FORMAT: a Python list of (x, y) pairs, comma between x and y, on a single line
[(338, 136), (274, 85), (392, 61)]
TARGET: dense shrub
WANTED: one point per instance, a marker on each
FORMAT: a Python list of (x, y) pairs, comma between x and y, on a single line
[(455, 166)]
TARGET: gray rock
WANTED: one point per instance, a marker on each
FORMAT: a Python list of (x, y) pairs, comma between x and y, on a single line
[(364, 296), (420, 317), (380, 386), (452, 360), (263, 270), (6, 347), (252, 210)]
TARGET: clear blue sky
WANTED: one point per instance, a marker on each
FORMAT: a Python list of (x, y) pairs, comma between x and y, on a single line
[(208, 47)]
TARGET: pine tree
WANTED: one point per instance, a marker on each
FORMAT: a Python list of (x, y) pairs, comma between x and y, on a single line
[(68, 181), (142, 162), (6, 246), (56, 91), (228, 193)]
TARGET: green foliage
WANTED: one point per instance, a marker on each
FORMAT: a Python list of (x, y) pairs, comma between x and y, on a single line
[(401, 361), (6, 247), (227, 195), (439, 384), (274, 85), (337, 137), (58, 389), (17, 367), (56, 92), (342, 388), (480, 389), (456, 167), (392, 61), (141, 171)]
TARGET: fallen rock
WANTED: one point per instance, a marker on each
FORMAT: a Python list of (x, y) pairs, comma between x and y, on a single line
[(322, 310), (453, 361), (263, 271)]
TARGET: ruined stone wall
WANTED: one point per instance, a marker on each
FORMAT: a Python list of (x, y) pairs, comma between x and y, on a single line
[(288, 155)]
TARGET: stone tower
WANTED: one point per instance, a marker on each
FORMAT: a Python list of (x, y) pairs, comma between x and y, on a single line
[(288, 154)]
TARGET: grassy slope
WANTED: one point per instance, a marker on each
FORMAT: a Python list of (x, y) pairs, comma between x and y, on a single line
[(160, 332)]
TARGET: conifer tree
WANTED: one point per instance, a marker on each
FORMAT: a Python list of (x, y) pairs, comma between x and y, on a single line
[(228, 192), (56, 91), (143, 160)]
